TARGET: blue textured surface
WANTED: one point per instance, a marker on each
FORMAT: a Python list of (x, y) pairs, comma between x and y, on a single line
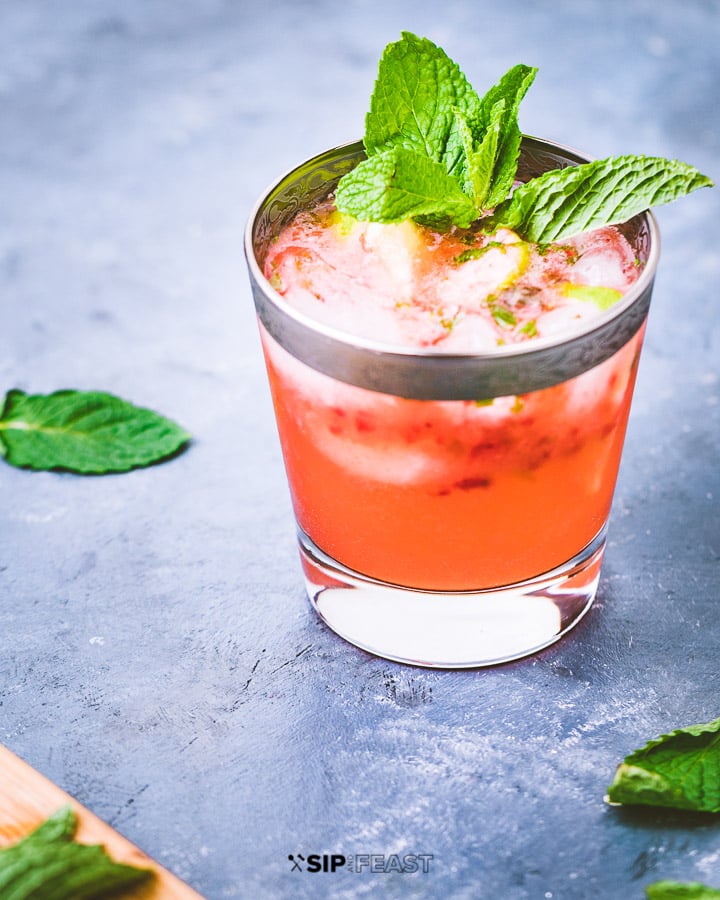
[(158, 659)]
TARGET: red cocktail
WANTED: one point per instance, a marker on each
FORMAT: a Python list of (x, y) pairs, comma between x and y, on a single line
[(451, 495), (451, 462)]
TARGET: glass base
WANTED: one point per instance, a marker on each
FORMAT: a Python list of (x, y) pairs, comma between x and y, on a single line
[(451, 629)]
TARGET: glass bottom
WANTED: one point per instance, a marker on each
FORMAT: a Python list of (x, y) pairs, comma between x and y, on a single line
[(451, 629)]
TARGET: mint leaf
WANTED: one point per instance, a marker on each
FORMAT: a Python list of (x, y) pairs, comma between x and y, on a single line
[(88, 432), (418, 88), (49, 864), (565, 202), (481, 158), (679, 770), (398, 184), (677, 890), (510, 90)]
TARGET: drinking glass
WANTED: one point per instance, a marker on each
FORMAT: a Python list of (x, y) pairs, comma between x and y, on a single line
[(451, 508)]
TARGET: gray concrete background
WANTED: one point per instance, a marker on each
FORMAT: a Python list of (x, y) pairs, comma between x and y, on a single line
[(158, 659)]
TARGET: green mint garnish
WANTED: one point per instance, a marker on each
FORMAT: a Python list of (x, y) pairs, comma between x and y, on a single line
[(565, 202), (88, 432), (49, 864), (677, 890), (440, 154), (679, 770), (435, 149)]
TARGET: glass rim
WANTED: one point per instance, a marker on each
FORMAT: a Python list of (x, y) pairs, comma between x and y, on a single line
[(282, 320)]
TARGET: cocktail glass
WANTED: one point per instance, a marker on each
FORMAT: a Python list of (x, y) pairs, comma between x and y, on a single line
[(451, 509)]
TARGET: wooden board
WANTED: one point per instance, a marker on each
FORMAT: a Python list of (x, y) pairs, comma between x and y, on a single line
[(27, 798)]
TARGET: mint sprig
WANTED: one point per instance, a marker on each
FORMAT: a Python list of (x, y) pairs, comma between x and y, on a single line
[(49, 864), (437, 152), (430, 138), (679, 770), (90, 432)]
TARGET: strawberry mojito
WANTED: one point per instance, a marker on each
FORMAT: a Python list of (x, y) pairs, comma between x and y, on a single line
[(449, 495), (451, 316)]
